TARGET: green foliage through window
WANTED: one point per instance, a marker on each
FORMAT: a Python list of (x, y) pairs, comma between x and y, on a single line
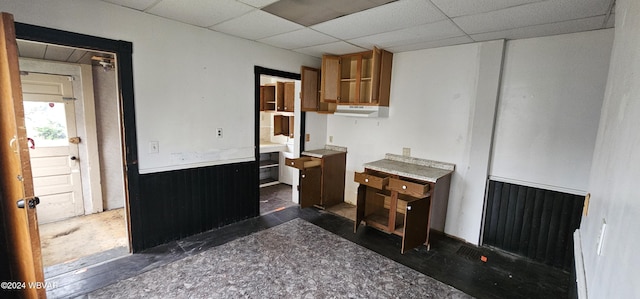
[(54, 131)]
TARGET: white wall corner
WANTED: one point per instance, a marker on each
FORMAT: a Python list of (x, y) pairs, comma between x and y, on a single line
[(581, 279), (95, 203)]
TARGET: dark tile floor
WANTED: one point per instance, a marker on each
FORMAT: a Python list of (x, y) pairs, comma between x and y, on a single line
[(275, 198), (502, 276)]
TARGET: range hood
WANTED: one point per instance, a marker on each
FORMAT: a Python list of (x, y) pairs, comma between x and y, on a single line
[(362, 111)]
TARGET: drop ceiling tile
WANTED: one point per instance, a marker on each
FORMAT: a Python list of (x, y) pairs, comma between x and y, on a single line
[(258, 3), (611, 22), (57, 53), (79, 56), (351, 6), (532, 14), (256, 25), (298, 39), (203, 13), (302, 12), (418, 34), (456, 8), (432, 44), (337, 48), (135, 4), (311, 12), (543, 30), (31, 50), (388, 17), (379, 2)]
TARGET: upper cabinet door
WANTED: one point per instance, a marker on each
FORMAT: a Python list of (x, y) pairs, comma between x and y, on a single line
[(375, 76), (289, 95), (309, 95), (384, 82), (279, 96), (330, 89)]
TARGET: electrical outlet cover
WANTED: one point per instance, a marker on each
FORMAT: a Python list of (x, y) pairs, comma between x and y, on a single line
[(154, 147)]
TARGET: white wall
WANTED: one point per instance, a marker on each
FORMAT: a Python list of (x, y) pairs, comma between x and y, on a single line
[(550, 100), (316, 128), (105, 88), (615, 170), (443, 107), (187, 80), (433, 112)]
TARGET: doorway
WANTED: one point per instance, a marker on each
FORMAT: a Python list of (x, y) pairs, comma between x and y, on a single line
[(50, 122), (279, 127), (72, 114)]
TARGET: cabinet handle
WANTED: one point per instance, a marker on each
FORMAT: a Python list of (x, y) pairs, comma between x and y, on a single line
[(404, 187), (293, 162), (303, 176), (408, 208), (366, 180)]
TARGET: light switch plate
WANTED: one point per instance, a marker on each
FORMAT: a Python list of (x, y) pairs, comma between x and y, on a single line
[(406, 151)]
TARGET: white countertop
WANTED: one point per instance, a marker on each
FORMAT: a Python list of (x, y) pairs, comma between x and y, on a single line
[(268, 147), (328, 150), (415, 168)]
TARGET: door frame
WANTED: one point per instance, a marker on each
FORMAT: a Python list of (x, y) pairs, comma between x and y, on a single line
[(123, 51), (258, 71)]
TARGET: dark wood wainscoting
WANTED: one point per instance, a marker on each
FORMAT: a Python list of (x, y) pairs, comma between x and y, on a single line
[(532, 222), (176, 204)]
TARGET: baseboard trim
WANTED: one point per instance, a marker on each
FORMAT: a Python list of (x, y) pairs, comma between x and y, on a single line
[(581, 279)]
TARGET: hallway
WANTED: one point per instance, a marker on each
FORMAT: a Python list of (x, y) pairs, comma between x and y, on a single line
[(68, 240)]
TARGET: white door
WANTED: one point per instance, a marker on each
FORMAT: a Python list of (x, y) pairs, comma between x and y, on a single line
[(50, 121)]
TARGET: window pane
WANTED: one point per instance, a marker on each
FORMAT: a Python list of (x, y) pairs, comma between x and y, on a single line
[(46, 123)]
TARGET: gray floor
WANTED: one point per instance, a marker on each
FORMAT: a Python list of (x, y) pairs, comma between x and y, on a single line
[(275, 198), (502, 276), (295, 259)]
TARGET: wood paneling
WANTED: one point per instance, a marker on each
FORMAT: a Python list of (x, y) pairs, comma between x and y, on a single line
[(532, 222), (181, 203)]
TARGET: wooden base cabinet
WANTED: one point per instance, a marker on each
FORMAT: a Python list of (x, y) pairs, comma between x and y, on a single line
[(394, 200), (322, 177), (393, 205)]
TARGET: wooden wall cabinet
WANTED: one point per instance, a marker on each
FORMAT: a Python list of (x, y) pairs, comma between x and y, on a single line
[(277, 97), (310, 93), (283, 125), (288, 96), (268, 97), (404, 196), (357, 79), (322, 177)]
